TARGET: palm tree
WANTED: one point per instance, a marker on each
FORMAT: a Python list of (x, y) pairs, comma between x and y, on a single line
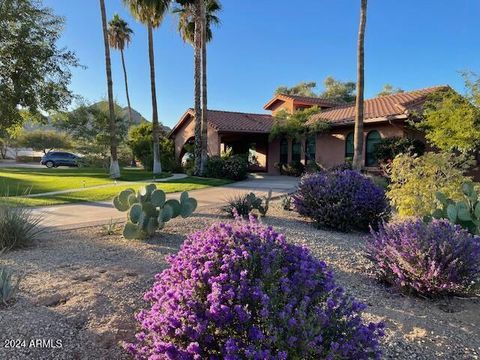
[(358, 137), (201, 12), (151, 13), (119, 37), (114, 168)]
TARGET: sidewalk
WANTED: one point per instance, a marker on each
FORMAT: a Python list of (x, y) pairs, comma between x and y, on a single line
[(72, 216)]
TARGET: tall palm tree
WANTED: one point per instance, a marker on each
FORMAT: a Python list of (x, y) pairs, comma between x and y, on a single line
[(119, 37), (359, 104), (201, 12), (114, 168), (151, 13)]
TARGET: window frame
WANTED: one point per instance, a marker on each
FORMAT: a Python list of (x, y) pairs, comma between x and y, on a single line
[(370, 160)]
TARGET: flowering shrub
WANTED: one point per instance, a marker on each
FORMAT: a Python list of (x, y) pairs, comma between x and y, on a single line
[(240, 291), (342, 200), (428, 259)]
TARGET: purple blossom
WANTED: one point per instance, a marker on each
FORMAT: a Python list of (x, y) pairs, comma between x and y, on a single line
[(240, 291), (429, 259), (342, 200)]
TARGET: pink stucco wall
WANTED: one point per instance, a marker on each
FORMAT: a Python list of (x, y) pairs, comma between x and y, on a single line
[(187, 131)]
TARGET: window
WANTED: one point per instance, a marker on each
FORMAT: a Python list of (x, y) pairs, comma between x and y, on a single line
[(373, 138), (296, 151), (349, 146), (283, 151), (310, 146)]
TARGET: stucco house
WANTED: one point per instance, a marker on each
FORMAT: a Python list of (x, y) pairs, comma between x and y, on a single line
[(385, 116)]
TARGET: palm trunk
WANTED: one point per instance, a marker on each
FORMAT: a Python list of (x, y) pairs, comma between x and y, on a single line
[(114, 168), (204, 92), (130, 118), (358, 162), (197, 77), (157, 167)]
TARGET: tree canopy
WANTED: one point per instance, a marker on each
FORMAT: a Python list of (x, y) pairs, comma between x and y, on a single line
[(333, 89), (44, 140), (389, 90), (451, 121), (34, 71)]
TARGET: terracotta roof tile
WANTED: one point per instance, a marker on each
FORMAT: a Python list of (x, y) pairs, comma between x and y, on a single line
[(312, 100), (240, 122), (379, 107)]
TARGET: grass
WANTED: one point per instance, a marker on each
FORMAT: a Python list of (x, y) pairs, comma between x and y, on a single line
[(16, 181), (108, 193)]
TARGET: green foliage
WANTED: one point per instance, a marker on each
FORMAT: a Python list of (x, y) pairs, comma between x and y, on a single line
[(389, 90), (34, 71), (110, 228), (233, 167), (149, 210), (294, 168), (388, 148), (465, 212), (140, 141), (334, 90), (8, 286), (19, 226), (451, 122), (245, 204), (414, 181), (44, 140), (294, 125)]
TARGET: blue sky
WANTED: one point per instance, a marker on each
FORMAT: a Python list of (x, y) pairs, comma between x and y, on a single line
[(263, 44)]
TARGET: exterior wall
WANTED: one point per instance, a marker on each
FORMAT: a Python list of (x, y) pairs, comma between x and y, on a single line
[(330, 148), (273, 156), (187, 131), (286, 105)]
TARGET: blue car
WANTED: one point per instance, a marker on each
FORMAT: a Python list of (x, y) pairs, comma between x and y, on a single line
[(57, 158)]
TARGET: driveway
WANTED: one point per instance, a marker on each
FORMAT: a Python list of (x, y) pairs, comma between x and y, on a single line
[(9, 164), (94, 213)]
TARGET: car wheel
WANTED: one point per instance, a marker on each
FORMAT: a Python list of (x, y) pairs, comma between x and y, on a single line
[(49, 164)]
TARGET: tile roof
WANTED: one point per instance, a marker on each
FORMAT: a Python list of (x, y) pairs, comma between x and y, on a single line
[(379, 107), (312, 100), (235, 121)]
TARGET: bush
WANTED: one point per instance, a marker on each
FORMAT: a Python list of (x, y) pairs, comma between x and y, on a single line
[(341, 200), (414, 180), (240, 291), (243, 205), (428, 259), (291, 169), (389, 148), (19, 227), (234, 167)]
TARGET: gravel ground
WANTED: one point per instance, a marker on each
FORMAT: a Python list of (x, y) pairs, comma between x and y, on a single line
[(82, 287)]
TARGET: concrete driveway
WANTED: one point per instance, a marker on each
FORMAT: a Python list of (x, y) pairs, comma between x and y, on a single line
[(94, 213)]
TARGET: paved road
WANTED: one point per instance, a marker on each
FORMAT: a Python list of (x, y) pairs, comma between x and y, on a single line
[(85, 214)]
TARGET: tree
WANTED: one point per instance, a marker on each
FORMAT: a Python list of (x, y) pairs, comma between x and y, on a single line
[(187, 26), (358, 131), (119, 37), (451, 122), (151, 13), (139, 141), (293, 126), (34, 72), (389, 90), (334, 90), (114, 167), (338, 91), (45, 140), (301, 89)]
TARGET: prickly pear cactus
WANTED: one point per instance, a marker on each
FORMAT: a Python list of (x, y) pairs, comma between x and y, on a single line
[(148, 210), (465, 213)]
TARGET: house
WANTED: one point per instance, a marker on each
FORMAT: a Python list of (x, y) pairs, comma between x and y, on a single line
[(244, 133)]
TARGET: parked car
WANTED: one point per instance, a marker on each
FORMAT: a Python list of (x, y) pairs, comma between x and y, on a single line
[(58, 158)]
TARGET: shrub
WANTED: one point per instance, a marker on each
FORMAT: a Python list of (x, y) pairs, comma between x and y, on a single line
[(240, 291), (341, 200), (295, 168), (341, 167), (429, 259), (414, 180), (19, 227), (389, 148), (244, 204), (234, 167)]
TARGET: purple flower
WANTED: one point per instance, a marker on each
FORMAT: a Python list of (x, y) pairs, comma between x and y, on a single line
[(237, 291)]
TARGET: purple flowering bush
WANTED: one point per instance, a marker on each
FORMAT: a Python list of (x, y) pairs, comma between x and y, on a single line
[(430, 259), (343, 200), (240, 291)]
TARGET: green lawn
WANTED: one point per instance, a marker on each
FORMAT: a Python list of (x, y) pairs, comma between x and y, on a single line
[(16, 181), (107, 193)]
